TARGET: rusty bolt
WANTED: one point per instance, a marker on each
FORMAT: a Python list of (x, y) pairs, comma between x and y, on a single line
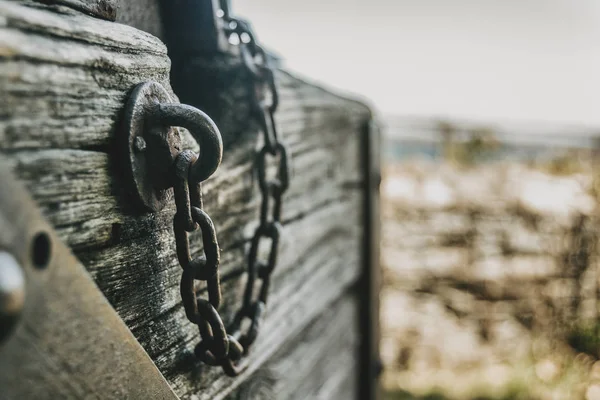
[(12, 293), (139, 144)]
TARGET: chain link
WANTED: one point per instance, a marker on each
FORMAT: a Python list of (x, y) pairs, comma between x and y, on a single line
[(217, 347), (264, 100)]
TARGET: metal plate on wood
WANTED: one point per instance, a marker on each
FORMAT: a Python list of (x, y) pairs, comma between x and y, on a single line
[(141, 135), (105, 9), (67, 342)]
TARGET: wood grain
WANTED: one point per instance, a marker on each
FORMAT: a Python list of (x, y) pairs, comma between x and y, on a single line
[(64, 79), (66, 327), (106, 9), (318, 363)]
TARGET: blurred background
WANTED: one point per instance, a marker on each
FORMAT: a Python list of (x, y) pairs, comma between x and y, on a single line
[(491, 182)]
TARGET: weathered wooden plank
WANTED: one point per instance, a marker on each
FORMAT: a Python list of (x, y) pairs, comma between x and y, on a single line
[(77, 192), (64, 328), (64, 80), (319, 363), (143, 14), (106, 9)]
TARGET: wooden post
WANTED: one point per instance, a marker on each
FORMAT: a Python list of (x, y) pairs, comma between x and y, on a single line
[(64, 81)]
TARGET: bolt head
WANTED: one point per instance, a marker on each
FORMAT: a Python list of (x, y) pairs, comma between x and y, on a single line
[(139, 144), (12, 293)]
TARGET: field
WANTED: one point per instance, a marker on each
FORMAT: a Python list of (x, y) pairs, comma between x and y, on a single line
[(491, 280)]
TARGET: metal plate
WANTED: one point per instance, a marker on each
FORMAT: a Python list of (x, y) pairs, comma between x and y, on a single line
[(146, 144), (68, 342)]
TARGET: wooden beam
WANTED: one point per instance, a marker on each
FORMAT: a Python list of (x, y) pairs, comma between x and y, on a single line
[(318, 363), (105, 9), (64, 80)]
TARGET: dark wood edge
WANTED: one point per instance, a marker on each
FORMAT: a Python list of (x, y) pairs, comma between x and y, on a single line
[(104, 9), (369, 284)]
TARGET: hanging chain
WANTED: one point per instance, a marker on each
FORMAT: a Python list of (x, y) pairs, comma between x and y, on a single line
[(217, 348), (264, 102)]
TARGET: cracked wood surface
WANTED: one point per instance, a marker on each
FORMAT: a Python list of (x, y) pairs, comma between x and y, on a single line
[(64, 79)]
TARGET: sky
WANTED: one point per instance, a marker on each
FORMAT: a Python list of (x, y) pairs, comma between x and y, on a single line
[(489, 60)]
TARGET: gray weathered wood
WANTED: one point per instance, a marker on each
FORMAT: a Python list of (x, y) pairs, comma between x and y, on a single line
[(142, 14), (106, 9), (65, 326), (318, 363), (64, 79)]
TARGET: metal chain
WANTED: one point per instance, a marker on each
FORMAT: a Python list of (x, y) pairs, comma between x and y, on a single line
[(217, 347), (264, 102), (221, 348)]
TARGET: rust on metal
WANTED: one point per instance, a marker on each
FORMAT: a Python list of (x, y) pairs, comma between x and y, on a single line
[(264, 100), (58, 346), (12, 293), (156, 163), (152, 144)]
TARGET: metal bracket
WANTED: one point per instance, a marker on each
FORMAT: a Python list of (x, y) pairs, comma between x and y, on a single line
[(151, 144), (148, 145), (62, 339)]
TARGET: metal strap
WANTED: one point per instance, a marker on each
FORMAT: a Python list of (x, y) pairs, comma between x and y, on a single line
[(64, 340)]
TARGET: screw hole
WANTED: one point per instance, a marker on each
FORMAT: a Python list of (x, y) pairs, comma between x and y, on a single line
[(41, 250)]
